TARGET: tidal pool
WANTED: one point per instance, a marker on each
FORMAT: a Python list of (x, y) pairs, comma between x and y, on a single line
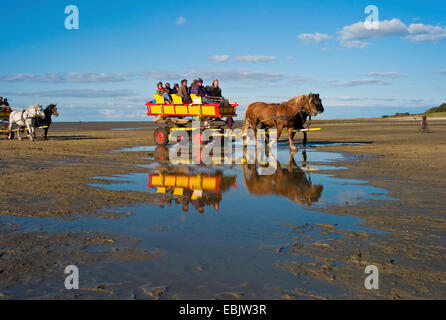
[(221, 225), (222, 231)]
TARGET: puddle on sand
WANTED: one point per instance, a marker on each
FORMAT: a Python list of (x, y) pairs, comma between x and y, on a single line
[(280, 144), (221, 225), (225, 220), (136, 149), (131, 129)]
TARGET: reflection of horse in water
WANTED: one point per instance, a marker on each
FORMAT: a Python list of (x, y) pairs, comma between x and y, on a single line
[(291, 183)]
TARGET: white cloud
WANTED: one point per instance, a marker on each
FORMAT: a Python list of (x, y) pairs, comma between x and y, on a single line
[(355, 44), (317, 37), (180, 21), (360, 82), (82, 77), (421, 33), (211, 74), (255, 58), (386, 28), (221, 58), (388, 74), (289, 58), (418, 32), (443, 71), (95, 77), (77, 93)]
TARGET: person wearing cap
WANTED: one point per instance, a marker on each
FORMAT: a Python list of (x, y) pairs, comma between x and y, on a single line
[(200, 91)]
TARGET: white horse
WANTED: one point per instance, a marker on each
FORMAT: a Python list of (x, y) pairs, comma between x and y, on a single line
[(25, 118)]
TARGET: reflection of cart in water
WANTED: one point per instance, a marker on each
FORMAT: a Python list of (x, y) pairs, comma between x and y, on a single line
[(200, 189)]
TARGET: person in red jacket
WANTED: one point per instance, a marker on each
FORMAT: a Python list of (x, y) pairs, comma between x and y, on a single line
[(163, 92)]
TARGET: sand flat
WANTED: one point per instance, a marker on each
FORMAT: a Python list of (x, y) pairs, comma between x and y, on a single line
[(50, 179)]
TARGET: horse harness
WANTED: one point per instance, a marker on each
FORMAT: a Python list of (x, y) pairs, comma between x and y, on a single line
[(27, 117), (285, 117)]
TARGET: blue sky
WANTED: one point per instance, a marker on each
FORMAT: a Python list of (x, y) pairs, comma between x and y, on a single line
[(259, 50)]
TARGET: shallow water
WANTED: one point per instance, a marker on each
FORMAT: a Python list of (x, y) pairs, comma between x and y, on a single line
[(221, 225), (227, 220)]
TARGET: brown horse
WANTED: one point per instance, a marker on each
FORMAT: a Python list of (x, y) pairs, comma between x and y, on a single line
[(291, 115)]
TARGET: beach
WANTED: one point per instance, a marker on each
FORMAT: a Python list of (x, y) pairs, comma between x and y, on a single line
[(50, 184)]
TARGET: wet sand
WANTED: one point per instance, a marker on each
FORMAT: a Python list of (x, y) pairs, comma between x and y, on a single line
[(50, 179)]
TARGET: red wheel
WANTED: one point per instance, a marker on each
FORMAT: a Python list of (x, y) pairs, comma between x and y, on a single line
[(161, 136), (185, 137), (197, 138)]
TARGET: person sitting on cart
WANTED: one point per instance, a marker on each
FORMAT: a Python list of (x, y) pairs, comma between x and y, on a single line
[(4, 105), (163, 92), (193, 85), (176, 87), (169, 90), (214, 91), (183, 92), (5, 102), (200, 91)]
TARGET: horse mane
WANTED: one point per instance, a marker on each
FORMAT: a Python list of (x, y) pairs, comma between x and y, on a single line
[(50, 106), (299, 102)]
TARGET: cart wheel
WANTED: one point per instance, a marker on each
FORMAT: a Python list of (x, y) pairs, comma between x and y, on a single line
[(160, 153), (197, 137), (181, 138), (161, 136)]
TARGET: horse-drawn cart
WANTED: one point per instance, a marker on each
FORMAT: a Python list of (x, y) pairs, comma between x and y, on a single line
[(179, 116)]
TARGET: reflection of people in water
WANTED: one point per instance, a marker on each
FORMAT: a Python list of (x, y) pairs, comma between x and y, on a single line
[(186, 187), (291, 183)]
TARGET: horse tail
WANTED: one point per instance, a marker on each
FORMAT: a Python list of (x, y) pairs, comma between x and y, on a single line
[(246, 121)]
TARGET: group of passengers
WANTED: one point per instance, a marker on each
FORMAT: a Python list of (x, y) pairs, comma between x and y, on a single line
[(4, 105), (209, 95)]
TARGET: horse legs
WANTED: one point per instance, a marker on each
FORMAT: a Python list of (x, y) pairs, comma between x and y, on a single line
[(254, 130), (304, 142), (291, 161), (31, 131), (279, 133), (46, 133), (11, 133), (291, 135), (18, 133)]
